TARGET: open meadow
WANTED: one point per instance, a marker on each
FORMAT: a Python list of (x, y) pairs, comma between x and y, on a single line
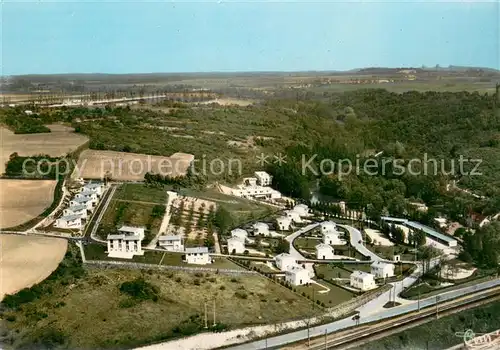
[(59, 142), (27, 260), (125, 166), (92, 308), (23, 200)]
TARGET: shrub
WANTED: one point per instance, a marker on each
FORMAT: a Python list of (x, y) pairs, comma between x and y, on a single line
[(234, 280), (140, 289), (198, 274), (303, 294), (241, 294), (196, 282), (212, 279), (178, 280), (222, 287), (277, 300)]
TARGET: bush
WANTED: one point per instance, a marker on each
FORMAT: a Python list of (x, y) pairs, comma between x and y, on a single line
[(241, 294), (196, 282), (222, 287), (212, 280), (198, 274), (140, 289), (234, 280), (178, 280)]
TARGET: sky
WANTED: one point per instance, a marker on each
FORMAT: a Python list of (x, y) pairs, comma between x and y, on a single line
[(72, 36)]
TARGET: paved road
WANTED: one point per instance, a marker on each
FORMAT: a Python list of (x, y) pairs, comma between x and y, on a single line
[(282, 340), (356, 239), (294, 252)]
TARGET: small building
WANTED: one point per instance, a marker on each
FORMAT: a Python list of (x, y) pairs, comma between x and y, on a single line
[(126, 243), (239, 233), (198, 255), (284, 261), (441, 222), (88, 194), (381, 269), (69, 221), (324, 251), (263, 178), (362, 280), (82, 201), (332, 238), (260, 228), (256, 192), (297, 276), (302, 209), (93, 187), (28, 112), (172, 243), (293, 215), (235, 245), (283, 223), (80, 210), (328, 226)]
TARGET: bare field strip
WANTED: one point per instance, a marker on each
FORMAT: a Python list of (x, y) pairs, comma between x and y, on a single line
[(60, 141), (23, 200), (130, 166), (27, 260)]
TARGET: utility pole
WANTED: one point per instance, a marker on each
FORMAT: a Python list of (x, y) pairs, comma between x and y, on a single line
[(437, 309), (418, 300), (326, 343), (206, 316), (214, 312)]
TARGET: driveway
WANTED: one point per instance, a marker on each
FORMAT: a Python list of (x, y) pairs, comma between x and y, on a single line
[(294, 252)]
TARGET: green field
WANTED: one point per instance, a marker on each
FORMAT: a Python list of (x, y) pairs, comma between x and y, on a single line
[(334, 296), (88, 310), (141, 193)]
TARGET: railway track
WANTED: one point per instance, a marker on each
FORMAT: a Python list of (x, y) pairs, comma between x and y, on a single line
[(360, 335)]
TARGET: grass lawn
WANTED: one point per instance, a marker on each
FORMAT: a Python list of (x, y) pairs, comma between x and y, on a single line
[(306, 243), (141, 193), (329, 271), (91, 312), (129, 213), (335, 296), (388, 252)]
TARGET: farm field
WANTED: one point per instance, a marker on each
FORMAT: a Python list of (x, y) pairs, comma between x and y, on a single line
[(23, 200), (78, 317), (27, 260), (59, 142), (125, 166)]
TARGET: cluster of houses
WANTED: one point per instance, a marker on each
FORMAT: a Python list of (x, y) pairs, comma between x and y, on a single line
[(292, 216), (257, 187), (83, 203), (330, 237), (295, 274), (365, 281), (127, 242)]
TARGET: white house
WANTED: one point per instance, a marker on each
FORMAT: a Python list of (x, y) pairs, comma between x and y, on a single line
[(293, 215), (260, 228), (69, 221), (332, 238), (93, 187), (258, 192), (198, 255), (82, 201), (362, 280), (263, 178), (302, 209), (328, 226), (382, 269), (442, 222), (126, 243), (235, 245), (324, 251), (284, 261), (283, 223), (28, 112), (80, 210), (239, 233), (89, 195), (297, 276), (173, 243)]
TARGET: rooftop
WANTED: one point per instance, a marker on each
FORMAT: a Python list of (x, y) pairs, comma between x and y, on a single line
[(170, 238), (361, 274), (70, 217), (418, 226), (92, 185), (197, 250), (81, 200), (324, 246), (131, 229), (77, 207)]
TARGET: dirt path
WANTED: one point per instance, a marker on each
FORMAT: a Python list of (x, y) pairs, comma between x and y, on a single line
[(140, 202), (27, 260)]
